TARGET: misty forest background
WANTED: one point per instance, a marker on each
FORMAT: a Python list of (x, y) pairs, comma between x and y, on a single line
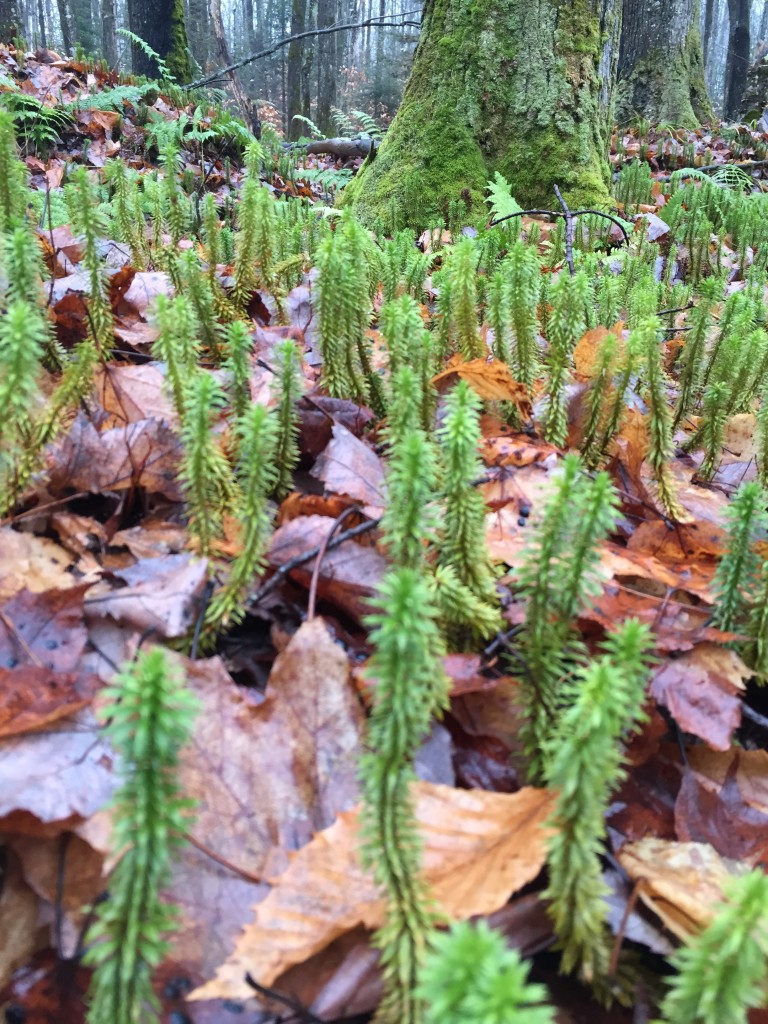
[(362, 68)]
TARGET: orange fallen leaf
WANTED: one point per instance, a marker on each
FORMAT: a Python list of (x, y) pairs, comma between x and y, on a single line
[(680, 882), (490, 378), (479, 848)]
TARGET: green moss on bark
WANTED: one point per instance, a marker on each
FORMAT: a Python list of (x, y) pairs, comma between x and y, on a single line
[(178, 60), (497, 85)]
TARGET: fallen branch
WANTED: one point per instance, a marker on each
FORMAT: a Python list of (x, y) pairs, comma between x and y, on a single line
[(557, 213), (345, 148), (373, 22)]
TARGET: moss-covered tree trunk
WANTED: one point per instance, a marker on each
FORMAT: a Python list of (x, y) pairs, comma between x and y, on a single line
[(661, 67), (517, 86), (160, 23)]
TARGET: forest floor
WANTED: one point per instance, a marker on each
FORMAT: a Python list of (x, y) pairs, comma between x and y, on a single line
[(96, 560)]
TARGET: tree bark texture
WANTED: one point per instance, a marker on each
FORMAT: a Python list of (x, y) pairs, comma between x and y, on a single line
[(327, 69), (709, 14), (661, 65), (82, 23), (199, 30), (523, 87), (160, 23), (294, 103), (738, 58), (108, 35), (10, 20), (66, 34)]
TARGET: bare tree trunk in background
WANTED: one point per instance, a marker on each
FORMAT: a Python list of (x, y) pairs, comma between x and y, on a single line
[(41, 24), (83, 25), (326, 67), (199, 28), (762, 32), (661, 70), (294, 99), (66, 34), (379, 71), (709, 13), (108, 33), (737, 60), (247, 111)]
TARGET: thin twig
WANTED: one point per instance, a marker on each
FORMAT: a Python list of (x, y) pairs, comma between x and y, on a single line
[(321, 555), (373, 22), (270, 993), (557, 213), (675, 309), (241, 872), (11, 627), (570, 227), (293, 563)]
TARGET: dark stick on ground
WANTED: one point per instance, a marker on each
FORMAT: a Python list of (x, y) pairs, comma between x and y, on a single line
[(570, 228), (557, 213), (293, 563)]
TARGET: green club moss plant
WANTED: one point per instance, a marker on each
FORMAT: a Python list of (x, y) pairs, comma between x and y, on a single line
[(499, 316), (715, 414), (761, 455), (411, 689), (22, 339), (598, 400), (523, 275), (196, 289), (257, 433), (723, 971), (737, 569), (148, 718), (204, 472), (692, 357), (461, 272), (13, 175), (556, 576), (89, 221), (462, 546), (128, 214), (248, 240), (470, 976), (286, 392), (237, 366), (340, 283), (602, 702), (177, 344), (568, 296)]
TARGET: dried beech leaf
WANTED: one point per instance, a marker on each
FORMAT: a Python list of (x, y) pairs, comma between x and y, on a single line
[(479, 848), (681, 882)]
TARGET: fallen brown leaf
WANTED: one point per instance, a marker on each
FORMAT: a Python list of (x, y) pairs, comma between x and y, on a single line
[(702, 689), (680, 882), (349, 573), (479, 848), (266, 777), (723, 800), (349, 466), (489, 378)]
